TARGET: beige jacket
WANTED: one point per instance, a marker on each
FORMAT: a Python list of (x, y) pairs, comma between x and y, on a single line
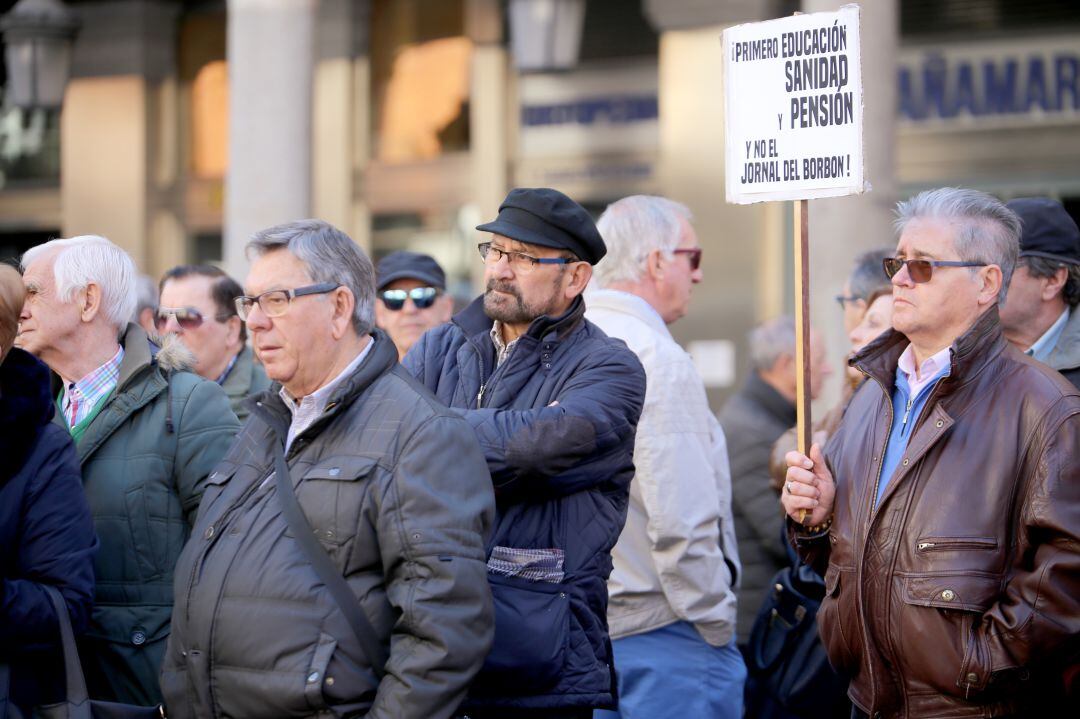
[(676, 558)]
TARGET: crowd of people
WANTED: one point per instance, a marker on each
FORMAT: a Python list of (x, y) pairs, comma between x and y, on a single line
[(323, 493)]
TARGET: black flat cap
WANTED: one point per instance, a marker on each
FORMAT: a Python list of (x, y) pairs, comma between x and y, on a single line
[(546, 217), (402, 265), (1048, 230)]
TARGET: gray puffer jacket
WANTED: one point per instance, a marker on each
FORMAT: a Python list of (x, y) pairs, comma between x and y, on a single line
[(398, 493)]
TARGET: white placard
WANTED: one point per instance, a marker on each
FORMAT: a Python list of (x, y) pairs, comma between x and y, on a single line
[(793, 108)]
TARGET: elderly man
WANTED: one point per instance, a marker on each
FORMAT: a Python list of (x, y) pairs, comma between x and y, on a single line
[(412, 297), (1038, 315), (147, 431), (949, 536), (337, 567), (554, 402), (197, 306), (759, 412), (672, 603)]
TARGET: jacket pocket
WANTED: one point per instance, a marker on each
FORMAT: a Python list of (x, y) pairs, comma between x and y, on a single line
[(838, 622), (331, 499), (947, 607), (144, 545), (954, 544), (532, 625)]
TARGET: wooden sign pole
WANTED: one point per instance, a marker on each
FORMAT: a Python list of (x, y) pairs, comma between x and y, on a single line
[(802, 332)]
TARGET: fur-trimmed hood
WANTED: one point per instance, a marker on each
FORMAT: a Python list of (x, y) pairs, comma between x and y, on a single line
[(172, 355)]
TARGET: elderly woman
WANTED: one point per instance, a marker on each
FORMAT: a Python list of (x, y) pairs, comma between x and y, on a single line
[(46, 535)]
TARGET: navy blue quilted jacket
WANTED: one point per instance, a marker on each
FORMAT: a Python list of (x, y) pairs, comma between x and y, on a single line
[(46, 535), (556, 423)]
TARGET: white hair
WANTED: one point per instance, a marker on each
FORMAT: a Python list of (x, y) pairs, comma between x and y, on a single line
[(988, 232), (91, 259), (772, 340), (632, 228)]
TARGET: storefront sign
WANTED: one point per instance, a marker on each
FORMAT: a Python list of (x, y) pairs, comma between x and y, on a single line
[(1001, 83)]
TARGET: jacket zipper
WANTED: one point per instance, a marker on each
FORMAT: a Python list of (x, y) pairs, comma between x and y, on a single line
[(958, 543)]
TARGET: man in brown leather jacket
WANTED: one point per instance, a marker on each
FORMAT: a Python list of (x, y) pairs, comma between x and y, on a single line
[(949, 536)]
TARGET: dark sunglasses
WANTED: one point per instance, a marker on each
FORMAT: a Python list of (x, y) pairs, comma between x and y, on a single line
[(187, 317), (921, 270), (422, 297), (845, 300), (693, 253)]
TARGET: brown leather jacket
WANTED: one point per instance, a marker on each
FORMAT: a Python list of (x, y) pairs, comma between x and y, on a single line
[(959, 594)]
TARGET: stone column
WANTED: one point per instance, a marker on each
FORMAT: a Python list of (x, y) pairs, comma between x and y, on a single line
[(271, 62), (840, 228), (487, 116), (118, 174)]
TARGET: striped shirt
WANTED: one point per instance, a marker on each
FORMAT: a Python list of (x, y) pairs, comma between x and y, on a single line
[(82, 396)]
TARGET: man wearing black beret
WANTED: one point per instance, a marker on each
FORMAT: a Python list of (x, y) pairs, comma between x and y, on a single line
[(1038, 316), (555, 403)]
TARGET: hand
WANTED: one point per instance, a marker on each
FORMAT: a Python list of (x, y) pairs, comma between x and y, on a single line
[(808, 485)]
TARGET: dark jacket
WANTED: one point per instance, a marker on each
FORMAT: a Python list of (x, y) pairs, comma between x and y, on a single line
[(556, 422), (396, 490), (145, 459), (959, 594), (247, 378), (1065, 357), (46, 534), (753, 418)]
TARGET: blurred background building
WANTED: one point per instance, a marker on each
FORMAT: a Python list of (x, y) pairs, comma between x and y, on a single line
[(186, 125)]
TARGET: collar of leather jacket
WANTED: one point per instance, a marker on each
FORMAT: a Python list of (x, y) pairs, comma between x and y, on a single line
[(473, 321), (970, 352)]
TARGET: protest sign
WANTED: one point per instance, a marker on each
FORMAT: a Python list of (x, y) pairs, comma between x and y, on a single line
[(793, 108), (794, 131)]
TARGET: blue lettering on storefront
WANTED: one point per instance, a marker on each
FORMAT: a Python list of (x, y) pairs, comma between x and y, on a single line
[(616, 110), (938, 88)]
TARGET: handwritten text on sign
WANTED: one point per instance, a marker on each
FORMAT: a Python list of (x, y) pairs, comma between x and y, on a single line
[(793, 100)]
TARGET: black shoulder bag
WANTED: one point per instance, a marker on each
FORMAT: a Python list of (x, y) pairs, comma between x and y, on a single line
[(77, 705), (324, 567), (785, 655)]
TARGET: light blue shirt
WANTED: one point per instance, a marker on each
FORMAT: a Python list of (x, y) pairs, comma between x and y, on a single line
[(907, 406), (1045, 345)]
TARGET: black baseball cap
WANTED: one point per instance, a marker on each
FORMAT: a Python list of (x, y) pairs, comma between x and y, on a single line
[(546, 217), (402, 265), (1048, 230)]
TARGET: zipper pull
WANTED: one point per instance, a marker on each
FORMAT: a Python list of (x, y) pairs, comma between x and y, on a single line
[(907, 411), (923, 546), (480, 395)]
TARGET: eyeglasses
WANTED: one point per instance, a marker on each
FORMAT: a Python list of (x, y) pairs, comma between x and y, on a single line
[(422, 297), (187, 317), (275, 303), (921, 270), (694, 253), (843, 300), (519, 261)]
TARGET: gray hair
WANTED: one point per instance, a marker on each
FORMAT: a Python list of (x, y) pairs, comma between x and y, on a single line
[(1046, 267), (868, 276), (146, 296), (771, 340), (330, 256), (632, 228), (988, 231), (91, 259)]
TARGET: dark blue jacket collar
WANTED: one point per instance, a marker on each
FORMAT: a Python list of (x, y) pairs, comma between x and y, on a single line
[(473, 321)]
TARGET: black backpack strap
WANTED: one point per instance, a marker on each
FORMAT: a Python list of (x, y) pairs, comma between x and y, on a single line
[(324, 567)]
